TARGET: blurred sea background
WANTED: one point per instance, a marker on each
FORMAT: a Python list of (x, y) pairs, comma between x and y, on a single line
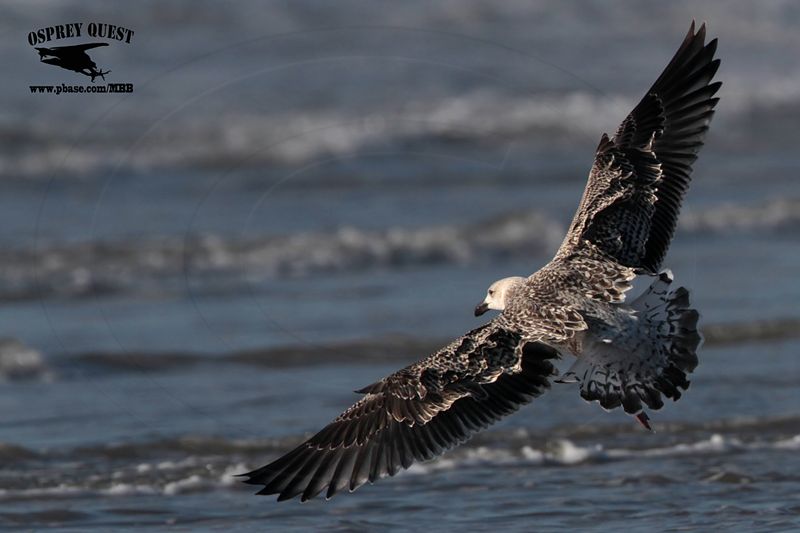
[(301, 197)]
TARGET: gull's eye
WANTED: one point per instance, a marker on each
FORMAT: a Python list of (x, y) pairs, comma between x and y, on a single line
[(491, 292)]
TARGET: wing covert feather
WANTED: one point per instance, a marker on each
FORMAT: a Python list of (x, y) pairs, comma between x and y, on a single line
[(415, 414), (639, 177)]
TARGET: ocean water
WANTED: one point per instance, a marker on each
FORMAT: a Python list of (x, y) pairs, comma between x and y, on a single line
[(299, 198)]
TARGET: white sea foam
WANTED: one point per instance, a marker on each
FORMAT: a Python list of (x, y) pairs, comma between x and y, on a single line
[(481, 118), (566, 452), (98, 267), (228, 476), (126, 489), (792, 443), (779, 214), (205, 474), (102, 266), (190, 483), (18, 361)]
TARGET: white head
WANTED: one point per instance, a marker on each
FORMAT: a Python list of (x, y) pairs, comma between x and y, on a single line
[(499, 294)]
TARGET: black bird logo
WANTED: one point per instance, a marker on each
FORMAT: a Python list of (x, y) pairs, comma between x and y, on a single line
[(73, 58)]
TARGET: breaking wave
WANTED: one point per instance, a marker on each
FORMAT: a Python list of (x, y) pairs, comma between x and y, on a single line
[(477, 122), (193, 464), (781, 215), (21, 362), (164, 263), (75, 270)]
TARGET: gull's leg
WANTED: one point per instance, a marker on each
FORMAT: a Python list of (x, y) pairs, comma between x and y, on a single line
[(644, 420)]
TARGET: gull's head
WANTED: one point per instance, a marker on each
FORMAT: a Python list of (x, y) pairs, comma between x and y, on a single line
[(499, 293)]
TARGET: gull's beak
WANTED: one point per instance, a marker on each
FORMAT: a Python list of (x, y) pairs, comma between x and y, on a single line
[(482, 308)]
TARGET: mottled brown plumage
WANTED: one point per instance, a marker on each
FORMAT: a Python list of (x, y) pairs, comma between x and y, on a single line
[(627, 354), (415, 414), (633, 197)]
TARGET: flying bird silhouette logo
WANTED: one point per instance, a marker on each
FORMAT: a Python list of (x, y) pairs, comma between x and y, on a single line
[(73, 58)]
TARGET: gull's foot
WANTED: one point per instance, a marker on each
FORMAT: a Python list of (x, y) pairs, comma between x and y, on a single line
[(644, 420)]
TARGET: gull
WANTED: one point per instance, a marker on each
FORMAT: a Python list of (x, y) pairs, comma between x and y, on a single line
[(629, 353)]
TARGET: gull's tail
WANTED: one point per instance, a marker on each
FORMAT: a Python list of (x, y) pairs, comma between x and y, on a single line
[(653, 361)]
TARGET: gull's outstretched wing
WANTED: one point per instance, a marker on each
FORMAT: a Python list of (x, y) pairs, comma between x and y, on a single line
[(80, 47), (414, 414), (640, 176)]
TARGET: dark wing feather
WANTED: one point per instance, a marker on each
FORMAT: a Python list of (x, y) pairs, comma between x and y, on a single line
[(84, 47), (414, 415), (640, 176), (71, 48)]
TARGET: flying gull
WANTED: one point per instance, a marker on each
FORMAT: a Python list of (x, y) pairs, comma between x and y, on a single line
[(629, 353)]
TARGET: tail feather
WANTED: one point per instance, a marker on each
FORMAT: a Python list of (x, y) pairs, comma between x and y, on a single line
[(669, 316), (651, 361)]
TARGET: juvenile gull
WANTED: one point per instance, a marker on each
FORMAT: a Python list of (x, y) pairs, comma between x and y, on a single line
[(628, 354)]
